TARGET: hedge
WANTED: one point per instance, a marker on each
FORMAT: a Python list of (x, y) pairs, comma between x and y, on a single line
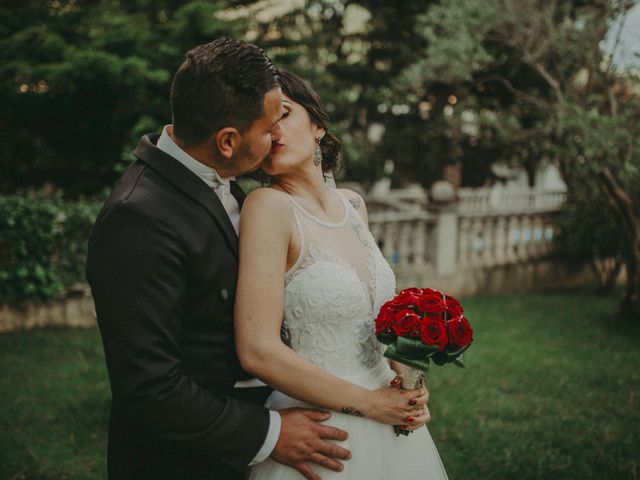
[(43, 245)]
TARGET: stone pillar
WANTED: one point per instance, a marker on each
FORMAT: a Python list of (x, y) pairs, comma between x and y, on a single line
[(444, 205)]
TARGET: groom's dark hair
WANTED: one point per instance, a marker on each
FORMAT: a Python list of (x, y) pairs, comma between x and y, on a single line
[(220, 84)]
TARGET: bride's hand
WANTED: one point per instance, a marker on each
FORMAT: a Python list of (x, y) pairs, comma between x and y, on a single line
[(395, 406)]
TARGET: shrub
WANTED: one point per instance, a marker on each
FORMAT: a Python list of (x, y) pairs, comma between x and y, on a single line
[(43, 244), (588, 233)]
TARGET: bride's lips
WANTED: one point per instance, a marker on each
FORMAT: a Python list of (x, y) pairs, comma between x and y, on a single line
[(276, 147)]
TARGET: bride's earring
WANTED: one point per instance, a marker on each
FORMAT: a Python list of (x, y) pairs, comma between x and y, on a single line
[(317, 156)]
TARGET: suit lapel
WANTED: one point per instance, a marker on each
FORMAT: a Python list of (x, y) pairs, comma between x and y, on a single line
[(185, 180)]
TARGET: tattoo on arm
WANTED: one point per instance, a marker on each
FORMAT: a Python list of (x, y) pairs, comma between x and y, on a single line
[(359, 229), (356, 202), (352, 411)]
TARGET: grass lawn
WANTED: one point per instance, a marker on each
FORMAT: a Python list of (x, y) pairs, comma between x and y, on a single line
[(551, 391)]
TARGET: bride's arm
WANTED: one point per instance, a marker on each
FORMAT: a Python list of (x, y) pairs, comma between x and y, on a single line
[(266, 227)]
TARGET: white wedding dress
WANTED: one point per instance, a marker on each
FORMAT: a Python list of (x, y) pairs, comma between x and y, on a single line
[(332, 295)]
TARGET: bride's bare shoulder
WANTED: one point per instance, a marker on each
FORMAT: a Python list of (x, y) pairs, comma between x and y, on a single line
[(266, 203), (266, 196)]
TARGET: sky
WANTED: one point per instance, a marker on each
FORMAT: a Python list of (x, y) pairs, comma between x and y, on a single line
[(627, 54)]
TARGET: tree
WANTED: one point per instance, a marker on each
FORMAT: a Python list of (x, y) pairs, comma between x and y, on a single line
[(352, 52), (554, 96), (81, 80)]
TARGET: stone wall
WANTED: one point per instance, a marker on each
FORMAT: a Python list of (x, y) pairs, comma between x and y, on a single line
[(540, 275), (74, 310)]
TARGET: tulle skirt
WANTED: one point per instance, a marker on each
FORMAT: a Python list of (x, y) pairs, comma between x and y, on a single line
[(377, 453)]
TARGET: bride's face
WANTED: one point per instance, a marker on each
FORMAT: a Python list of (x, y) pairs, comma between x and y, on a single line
[(297, 143)]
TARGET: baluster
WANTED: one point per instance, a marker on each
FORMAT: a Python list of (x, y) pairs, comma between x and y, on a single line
[(548, 227), (484, 240), (419, 244), (521, 248), (431, 248), (538, 235), (388, 245), (490, 228), (463, 242), (375, 229), (529, 246), (404, 244), (499, 240), (476, 242), (512, 238)]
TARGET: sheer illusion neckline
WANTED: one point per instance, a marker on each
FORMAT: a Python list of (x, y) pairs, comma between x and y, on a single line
[(324, 223)]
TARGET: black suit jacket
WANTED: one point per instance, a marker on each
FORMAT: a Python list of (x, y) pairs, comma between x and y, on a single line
[(162, 265)]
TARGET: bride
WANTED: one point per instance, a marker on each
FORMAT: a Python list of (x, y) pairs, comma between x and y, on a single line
[(311, 282)]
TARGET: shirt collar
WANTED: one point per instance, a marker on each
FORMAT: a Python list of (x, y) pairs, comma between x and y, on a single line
[(207, 174)]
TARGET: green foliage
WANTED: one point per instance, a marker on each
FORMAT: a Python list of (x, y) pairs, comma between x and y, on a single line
[(78, 79), (418, 355), (43, 246), (81, 80), (455, 42), (587, 229), (588, 234)]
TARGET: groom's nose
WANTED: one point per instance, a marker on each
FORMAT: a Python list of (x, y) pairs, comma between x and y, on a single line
[(276, 132)]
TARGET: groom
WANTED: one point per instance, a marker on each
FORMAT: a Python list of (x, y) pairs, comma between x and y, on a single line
[(162, 264)]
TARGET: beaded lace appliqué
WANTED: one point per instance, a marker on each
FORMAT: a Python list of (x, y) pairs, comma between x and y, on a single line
[(329, 310)]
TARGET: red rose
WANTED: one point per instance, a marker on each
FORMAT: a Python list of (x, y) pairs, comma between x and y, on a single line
[(460, 332), (431, 302), (454, 309), (385, 319), (407, 324), (416, 292), (404, 299), (433, 332)]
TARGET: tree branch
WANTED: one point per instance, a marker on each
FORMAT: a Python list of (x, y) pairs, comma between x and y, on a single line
[(518, 93), (613, 103), (622, 203), (555, 85)]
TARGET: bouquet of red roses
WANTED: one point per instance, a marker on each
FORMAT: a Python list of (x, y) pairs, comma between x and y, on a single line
[(420, 326)]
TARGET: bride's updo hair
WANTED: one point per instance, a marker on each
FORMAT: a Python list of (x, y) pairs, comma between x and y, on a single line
[(301, 92)]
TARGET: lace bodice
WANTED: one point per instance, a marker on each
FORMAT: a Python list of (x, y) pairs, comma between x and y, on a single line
[(334, 291)]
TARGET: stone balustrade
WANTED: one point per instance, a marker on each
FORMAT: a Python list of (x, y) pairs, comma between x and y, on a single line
[(503, 238), (472, 241), (404, 238), (481, 200)]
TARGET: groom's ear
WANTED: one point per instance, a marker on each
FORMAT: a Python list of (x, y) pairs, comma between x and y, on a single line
[(228, 141)]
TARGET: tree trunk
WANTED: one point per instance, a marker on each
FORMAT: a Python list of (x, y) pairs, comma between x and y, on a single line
[(629, 221), (606, 272)]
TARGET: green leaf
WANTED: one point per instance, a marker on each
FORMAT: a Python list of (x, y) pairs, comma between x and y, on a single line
[(418, 363), (440, 358), (422, 365), (413, 347), (386, 338), (459, 363)]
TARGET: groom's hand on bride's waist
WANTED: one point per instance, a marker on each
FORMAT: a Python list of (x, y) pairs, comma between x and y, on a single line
[(304, 440)]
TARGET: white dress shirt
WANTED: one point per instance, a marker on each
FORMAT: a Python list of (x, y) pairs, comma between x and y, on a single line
[(221, 187)]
